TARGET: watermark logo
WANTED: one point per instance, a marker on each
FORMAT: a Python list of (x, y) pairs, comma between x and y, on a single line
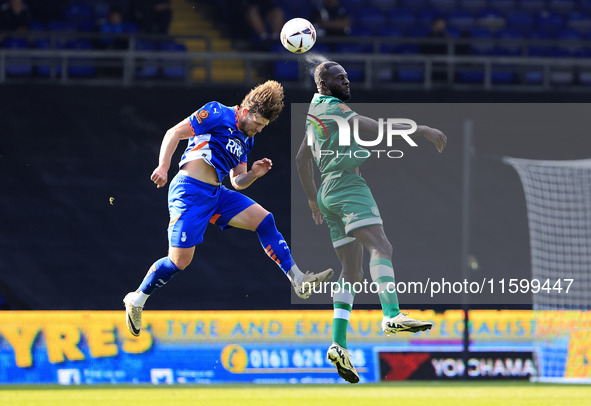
[(387, 128)]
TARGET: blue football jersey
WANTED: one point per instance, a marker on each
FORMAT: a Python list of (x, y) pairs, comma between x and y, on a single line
[(217, 139)]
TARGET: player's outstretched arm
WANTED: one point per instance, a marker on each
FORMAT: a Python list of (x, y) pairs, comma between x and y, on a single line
[(305, 168), (181, 131), (434, 135), (241, 178)]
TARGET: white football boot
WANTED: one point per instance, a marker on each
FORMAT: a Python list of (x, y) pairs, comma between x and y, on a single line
[(400, 323), (339, 356), (133, 314), (304, 287)]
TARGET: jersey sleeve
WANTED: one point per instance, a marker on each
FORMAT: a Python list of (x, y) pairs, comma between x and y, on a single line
[(206, 118)]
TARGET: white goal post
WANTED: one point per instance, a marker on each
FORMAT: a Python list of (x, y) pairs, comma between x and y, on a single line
[(558, 201)]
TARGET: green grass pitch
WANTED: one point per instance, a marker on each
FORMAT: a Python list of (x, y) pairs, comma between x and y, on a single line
[(405, 393)]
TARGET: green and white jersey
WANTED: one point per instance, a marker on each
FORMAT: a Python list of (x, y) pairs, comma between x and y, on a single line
[(329, 155)]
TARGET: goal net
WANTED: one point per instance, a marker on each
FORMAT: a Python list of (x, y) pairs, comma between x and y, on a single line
[(558, 200)]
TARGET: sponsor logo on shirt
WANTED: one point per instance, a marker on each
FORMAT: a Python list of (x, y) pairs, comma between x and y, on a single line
[(234, 148)]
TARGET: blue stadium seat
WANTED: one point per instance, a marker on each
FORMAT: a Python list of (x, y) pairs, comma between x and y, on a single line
[(413, 5), (585, 51), (584, 6), (491, 19), (474, 5), (410, 73), (61, 26), (540, 49), (454, 32), (17, 66), (295, 9), (398, 47), (44, 65), (130, 27), (286, 70), (460, 19), (401, 19), (146, 68), (101, 9), (359, 31), (80, 67), (389, 32), (534, 76), (371, 18), (561, 6), (507, 48), (521, 21), (481, 46), (418, 32), (570, 43), (353, 6), (349, 48), (471, 75), (532, 6), (173, 69), (425, 17), (563, 76), (79, 13), (503, 6), (383, 4), (549, 21), (584, 77), (356, 72), (37, 26), (579, 21), (86, 26), (444, 5), (503, 75), (321, 48)]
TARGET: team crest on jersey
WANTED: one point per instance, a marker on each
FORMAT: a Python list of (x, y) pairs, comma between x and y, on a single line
[(344, 108), (202, 115)]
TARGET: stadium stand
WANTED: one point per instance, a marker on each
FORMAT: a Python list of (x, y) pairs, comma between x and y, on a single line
[(520, 29)]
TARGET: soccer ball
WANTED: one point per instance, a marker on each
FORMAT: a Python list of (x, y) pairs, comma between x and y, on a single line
[(298, 35)]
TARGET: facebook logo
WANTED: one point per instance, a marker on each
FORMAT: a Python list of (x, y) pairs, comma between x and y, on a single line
[(68, 376), (161, 376)]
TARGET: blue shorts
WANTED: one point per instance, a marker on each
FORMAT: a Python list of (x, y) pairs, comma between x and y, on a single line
[(193, 204)]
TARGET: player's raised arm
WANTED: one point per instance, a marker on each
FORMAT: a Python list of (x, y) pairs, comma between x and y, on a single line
[(241, 178), (305, 166), (181, 131), (434, 135)]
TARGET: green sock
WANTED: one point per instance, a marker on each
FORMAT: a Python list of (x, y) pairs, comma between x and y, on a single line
[(382, 273), (343, 304)]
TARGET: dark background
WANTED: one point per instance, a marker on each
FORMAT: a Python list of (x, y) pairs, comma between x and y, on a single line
[(65, 151)]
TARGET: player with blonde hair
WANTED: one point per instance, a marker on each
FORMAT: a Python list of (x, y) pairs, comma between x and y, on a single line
[(220, 138)]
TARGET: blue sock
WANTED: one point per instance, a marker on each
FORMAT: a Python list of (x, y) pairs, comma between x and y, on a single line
[(161, 272), (274, 244)]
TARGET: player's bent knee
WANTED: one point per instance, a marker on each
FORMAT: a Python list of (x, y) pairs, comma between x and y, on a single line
[(181, 265), (181, 258)]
